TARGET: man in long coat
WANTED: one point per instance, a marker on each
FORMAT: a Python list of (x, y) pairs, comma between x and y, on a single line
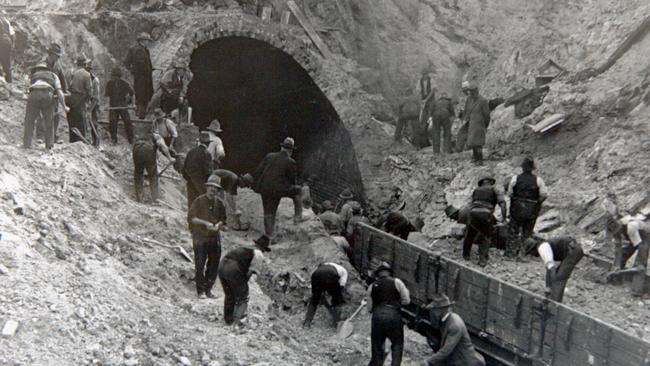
[(476, 116), (138, 61)]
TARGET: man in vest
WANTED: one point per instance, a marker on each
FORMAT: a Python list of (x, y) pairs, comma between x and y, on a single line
[(328, 278), (81, 88), (206, 219), (172, 89), (385, 297), (138, 61), (7, 36), (44, 85), (455, 347), (562, 249), (527, 192), (54, 53), (145, 153), (119, 94), (237, 267), (276, 177), (481, 221), (197, 168)]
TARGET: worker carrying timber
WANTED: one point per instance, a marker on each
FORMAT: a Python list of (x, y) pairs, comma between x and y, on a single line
[(206, 219), (328, 278), (145, 153), (565, 250), (630, 234), (455, 347), (237, 268), (385, 298), (476, 116), (45, 94), (276, 177), (197, 168), (527, 192), (481, 221)]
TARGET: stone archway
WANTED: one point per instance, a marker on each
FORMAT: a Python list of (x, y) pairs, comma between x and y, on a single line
[(282, 98)]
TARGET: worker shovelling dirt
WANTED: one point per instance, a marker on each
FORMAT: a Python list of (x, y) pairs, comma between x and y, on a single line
[(213, 208)]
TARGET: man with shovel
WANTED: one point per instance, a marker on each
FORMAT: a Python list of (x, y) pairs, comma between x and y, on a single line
[(385, 297), (119, 94), (331, 278), (145, 152), (205, 219)]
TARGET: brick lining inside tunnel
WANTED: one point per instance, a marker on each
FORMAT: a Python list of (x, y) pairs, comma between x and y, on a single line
[(260, 94)]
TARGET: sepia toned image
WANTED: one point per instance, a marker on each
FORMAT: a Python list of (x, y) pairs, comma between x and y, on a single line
[(324, 182)]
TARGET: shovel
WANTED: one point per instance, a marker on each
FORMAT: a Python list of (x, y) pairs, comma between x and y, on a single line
[(347, 327), (177, 248)]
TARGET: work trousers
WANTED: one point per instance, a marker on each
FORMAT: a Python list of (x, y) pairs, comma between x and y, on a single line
[(441, 126), (386, 324), (77, 116), (270, 205), (479, 223), (39, 103), (94, 125), (207, 253), (6, 52), (195, 188), (235, 288), (324, 280), (145, 159), (477, 154), (520, 230), (641, 263), (557, 277), (113, 118)]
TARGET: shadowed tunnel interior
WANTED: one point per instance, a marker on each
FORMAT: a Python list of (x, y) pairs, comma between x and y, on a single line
[(262, 95)]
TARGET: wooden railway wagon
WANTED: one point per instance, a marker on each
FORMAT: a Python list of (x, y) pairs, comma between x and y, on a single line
[(509, 325)]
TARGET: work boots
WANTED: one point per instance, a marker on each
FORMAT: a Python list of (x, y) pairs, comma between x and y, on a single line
[(240, 313)]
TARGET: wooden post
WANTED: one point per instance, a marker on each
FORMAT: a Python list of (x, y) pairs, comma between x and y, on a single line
[(286, 17), (311, 32)]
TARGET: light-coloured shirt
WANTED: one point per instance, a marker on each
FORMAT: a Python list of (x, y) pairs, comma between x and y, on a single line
[(343, 273), (634, 226), (404, 294), (216, 148), (543, 191), (81, 83), (165, 128), (257, 262), (546, 254)]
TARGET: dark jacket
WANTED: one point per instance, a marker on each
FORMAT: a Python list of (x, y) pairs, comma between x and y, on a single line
[(208, 210), (443, 110), (56, 68), (117, 91), (198, 164), (456, 346), (477, 115), (138, 61), (276, 176)]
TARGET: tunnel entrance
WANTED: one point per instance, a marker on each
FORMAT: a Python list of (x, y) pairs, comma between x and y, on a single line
[(260, 94)]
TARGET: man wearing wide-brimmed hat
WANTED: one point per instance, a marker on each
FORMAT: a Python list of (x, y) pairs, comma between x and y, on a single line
[(81, 89), (216, 149), (385, 297), (119, 94), (172, 89), (166, 128), (456, 348), (276, 177), (197, 168), (138, 61), (205, 218)]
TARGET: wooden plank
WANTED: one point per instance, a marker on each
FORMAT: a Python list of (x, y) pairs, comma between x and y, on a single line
[(311, 32), (286, 17)]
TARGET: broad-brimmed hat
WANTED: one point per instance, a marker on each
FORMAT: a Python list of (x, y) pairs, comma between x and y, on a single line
[(247, 179), (55, 49), (439, 301), (487, 177), (327, 205), (288, 143), (214, 181), (144, 36), (205, 137), (158, 112), (82, 61), (214, 126), (383, 266), (346, 194), (356, 208), (116, 71)]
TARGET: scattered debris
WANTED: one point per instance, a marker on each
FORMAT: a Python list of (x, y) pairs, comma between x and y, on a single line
[(9, 328), (548, 71), (548, 123), (526, 101)]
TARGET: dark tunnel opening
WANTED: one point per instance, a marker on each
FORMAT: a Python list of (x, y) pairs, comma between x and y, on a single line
[(260, 94)]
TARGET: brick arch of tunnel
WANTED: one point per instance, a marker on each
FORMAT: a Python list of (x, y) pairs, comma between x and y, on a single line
[(260, 93)]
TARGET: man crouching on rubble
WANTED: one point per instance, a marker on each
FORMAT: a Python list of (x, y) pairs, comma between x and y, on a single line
[(206, 217)]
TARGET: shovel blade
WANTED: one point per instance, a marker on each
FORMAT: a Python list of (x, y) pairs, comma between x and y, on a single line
[(184, 253), (345, 330)]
